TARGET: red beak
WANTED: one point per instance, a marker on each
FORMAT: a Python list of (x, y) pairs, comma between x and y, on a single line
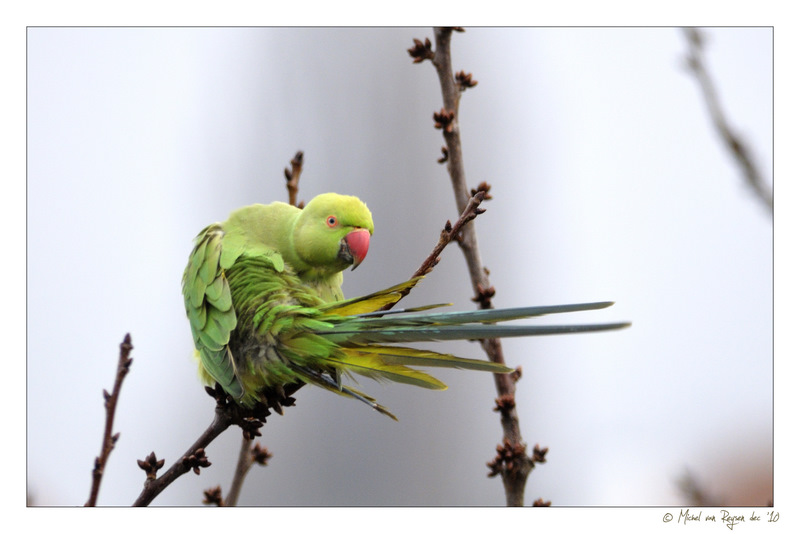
[(356, 245)]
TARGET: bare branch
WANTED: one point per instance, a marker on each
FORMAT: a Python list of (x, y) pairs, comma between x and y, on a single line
[(153, 486), (736, 145), (293, 178), (247, 457), (448, 118), (111, 399), (448, 234), (226, 413), (242, 467), (514, 465)]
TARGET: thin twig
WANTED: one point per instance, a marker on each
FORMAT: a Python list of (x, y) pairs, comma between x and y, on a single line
[(153, 486), (514, 464), (448, 234), (293, 178), (226, 413), (736, 145), (110, 440)]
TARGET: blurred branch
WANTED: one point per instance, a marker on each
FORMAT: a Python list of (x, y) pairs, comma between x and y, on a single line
[(697, 496), (735, 144), (242, 467), (512, 463), (111, 399), (247, 457)]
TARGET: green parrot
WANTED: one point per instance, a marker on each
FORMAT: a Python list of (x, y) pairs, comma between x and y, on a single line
[(263, 296)]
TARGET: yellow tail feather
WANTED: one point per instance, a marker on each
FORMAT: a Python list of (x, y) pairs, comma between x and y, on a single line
[(370, 303), (373, 366)]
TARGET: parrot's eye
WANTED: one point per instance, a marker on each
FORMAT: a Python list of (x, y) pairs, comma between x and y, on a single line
[(332, 221)]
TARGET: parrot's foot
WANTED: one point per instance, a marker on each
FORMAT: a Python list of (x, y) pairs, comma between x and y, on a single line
[(251, 419), (277, 398)]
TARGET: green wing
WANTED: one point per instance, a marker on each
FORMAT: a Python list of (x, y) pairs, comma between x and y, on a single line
[(209, 307)]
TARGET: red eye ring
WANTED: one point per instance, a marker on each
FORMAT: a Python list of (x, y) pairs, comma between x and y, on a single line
[(332, 221)]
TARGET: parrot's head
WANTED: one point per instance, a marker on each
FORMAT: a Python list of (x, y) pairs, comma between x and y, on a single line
[(332, 232)]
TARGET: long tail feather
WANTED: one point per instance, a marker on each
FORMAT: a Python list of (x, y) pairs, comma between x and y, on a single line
[(373, 365), (365, 335), (473, 316), (506, 314), (425, 358), (326, 382), (382, 313), (455, 332)]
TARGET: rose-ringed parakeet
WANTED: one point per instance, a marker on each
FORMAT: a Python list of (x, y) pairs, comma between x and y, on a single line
[(263, 296)]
